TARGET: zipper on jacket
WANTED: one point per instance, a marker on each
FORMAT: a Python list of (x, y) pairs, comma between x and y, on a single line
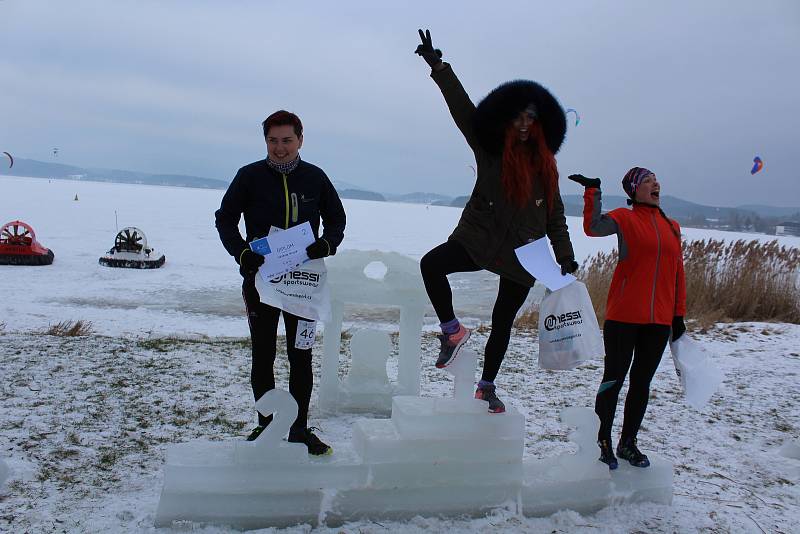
[(286, 194), (655, 275), (294, 207)]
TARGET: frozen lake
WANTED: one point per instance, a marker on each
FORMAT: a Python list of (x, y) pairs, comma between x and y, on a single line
[(197, 292)]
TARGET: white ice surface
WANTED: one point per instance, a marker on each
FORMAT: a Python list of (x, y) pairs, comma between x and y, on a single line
[(791, 449), (370, 350), (367, 279), (388, 474), (198, 291)]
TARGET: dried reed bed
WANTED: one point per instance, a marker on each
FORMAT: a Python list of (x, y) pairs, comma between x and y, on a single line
[(70, 329), (741, 281), (725, 282)]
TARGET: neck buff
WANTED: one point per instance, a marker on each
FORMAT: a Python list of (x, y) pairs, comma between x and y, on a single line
[(284, 168)]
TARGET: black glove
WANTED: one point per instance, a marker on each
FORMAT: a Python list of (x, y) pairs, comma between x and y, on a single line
[(250, 261), (569, 267), (584, 181), (318, 249), (678, 327), (432, 57)]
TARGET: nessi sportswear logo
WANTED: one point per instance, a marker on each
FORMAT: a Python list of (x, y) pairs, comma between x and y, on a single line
[(556, 322), (297, 277)]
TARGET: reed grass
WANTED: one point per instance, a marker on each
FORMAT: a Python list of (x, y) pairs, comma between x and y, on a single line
[(70, 329), (734, 281)]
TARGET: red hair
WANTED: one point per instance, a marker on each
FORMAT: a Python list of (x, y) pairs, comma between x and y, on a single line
[(524, 162)]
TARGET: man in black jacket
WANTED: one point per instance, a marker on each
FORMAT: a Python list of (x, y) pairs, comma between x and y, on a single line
[(280, 191)]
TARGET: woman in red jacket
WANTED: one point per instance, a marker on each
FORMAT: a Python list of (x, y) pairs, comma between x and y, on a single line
[(646, 300)]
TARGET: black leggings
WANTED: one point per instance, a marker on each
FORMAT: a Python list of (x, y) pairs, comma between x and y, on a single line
[(450, 257), (625, 342), (263, 321)]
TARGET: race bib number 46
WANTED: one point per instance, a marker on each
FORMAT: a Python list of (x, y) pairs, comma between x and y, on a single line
[(306, 333)]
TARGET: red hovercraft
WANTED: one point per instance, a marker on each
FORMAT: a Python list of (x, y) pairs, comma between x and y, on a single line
[(18, 246)]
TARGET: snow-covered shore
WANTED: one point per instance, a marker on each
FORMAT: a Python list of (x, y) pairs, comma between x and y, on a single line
[(86, 422)]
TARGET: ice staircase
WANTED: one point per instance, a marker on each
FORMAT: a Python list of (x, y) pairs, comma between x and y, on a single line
[(434, 457)]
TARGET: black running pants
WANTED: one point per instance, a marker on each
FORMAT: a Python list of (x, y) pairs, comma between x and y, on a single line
[(626, 343), (450, 257), (263, 321)]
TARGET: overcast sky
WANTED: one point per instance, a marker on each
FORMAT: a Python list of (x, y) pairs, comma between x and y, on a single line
[(692, 90)]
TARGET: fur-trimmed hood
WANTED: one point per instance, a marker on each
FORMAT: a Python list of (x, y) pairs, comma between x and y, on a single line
[(503, 104)]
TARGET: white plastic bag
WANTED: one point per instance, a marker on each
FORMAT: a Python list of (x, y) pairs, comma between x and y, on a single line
[(568, 331), (699, 376), (302, 291)]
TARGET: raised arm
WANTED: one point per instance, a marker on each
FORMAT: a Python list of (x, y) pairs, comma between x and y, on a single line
[(595, 223), (458, 102)]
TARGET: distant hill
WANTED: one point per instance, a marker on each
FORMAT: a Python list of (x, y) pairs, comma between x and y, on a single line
[(459, 202), (41, 169), (341, 184), (359, 194), (420, 198), (772, 211), (573, 204)]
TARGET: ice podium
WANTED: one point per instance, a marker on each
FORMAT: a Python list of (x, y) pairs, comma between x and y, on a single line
[(432, 457)]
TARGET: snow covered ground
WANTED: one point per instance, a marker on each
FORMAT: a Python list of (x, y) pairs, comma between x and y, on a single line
[(86, 421)]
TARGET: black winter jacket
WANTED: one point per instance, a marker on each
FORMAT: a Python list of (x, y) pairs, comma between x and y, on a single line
[(268, 198), (490, 227)]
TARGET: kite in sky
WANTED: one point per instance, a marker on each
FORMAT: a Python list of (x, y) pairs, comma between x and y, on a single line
[(11, 159), (577, 117), (757, 165)]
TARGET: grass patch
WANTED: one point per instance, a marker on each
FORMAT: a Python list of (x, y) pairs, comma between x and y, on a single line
[(64, 453), (166, 344), (70, 329), (108, 457)]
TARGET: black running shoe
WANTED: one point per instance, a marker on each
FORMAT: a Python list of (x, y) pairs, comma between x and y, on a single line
[(607, 454), (627, 450), (315, 445), (451, 346), (255, 433), (487, 393)]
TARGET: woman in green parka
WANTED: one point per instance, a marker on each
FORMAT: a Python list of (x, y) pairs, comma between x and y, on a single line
[(514, 133)]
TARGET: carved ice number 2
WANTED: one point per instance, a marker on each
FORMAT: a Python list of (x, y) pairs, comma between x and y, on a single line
[(283, 408)]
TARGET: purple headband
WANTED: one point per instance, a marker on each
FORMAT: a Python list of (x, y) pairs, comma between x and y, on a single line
[(633, 178)]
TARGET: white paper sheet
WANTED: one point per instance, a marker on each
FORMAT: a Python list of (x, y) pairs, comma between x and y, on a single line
[(283, 251), (538, 260)]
